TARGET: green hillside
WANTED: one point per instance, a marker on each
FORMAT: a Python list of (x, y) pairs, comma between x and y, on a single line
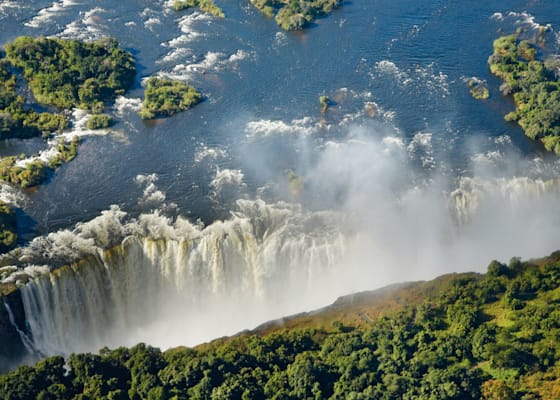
[(460, 336)]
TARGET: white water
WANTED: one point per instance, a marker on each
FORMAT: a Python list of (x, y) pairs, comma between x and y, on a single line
[(180, 282), (172, 282), (26, 340)]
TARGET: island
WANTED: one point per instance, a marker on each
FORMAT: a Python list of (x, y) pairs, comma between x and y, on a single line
[(295, 15), (166, 97), (73, 73), (535, 87), (62, 75), (206, 6), (461, 336)]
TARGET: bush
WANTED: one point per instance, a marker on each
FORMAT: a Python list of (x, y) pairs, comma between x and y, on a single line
[(99, 121), (165, 97)]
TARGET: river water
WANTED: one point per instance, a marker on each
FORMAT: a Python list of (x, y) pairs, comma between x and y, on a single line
[(404, 177)]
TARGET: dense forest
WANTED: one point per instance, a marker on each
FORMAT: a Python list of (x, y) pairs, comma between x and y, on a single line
[(73, 73), (535, 87), (461, 336)]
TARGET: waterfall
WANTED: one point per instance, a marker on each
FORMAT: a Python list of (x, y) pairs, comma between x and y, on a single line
[(173, 282), (169, 288), (25, 339)]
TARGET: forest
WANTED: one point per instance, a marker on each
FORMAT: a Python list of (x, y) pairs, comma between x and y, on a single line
[(492, 336), (73, 73), (535, 87)]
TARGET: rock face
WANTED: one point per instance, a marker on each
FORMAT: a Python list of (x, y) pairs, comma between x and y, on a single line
[(12, 318)]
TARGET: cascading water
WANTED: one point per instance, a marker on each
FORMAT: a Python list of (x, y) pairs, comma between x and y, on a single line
[(25, 339), (167, 288), (170, 282)]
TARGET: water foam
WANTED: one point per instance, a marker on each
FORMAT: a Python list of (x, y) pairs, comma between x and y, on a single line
[(89, 27), (78, 120), (46, 15)]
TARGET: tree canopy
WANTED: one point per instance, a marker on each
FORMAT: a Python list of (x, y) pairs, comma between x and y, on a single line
[(72, 73), (535, 88), (165, 97)]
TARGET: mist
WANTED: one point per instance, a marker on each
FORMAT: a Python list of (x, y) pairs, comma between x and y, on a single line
[(310, 221)]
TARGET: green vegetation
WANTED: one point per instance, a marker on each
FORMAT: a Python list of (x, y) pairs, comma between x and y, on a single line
[(99, 121), (18, 121), (165, 97), (72, 73), (461, 336), (534, 85), (8, 231), (205, 5), (60, 73), (36, 171), (293, 15), (478, 89)]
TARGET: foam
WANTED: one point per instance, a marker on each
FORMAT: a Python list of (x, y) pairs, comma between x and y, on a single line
[(86, 28), (266, 127), (46, 15)]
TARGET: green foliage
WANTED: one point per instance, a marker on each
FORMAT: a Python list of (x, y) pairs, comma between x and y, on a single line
[(8, 229), (66, 152), (205, 5), (99, 121), (552, 143), (36, 171), (72, 73), (452, 344), (65, 74), (478, 89), (32, 174), (18, 121), (535, 88), (165, 97), (293, 15)]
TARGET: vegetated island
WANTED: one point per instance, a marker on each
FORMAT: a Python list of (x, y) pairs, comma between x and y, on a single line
[(206, 6), (535, 87), (166, 97), (61, 74), (460, 336), (294, 15)]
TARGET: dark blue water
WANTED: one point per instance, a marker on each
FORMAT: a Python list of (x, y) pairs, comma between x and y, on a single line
[(404, 61)]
